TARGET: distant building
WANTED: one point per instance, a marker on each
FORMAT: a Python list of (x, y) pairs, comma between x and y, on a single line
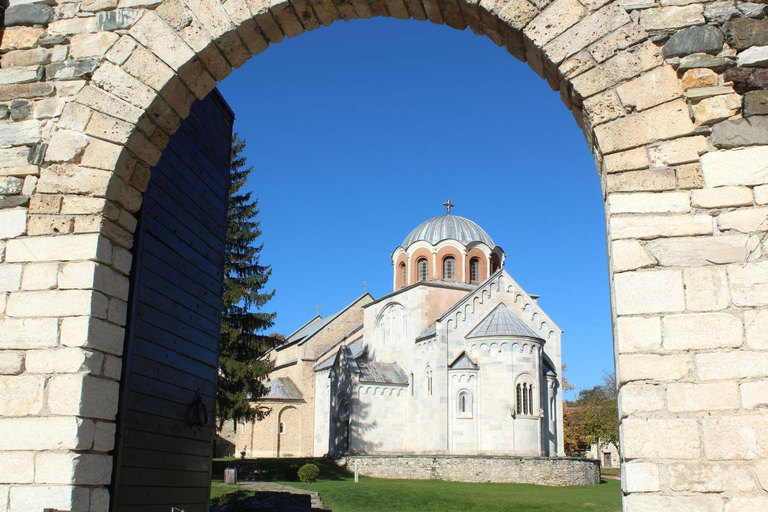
[(606, 453), (458, 359)]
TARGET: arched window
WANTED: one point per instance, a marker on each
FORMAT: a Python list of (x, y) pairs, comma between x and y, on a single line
[(403, 278), (474, 270), (495, 263), (282, 427), (429, 381), (449, 268), (524, 396), (464, 404), (422, 266)]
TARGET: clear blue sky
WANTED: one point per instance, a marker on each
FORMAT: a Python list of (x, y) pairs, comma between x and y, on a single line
[(359, 131)]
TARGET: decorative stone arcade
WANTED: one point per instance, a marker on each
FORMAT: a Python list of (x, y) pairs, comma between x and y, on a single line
[(671, 99)]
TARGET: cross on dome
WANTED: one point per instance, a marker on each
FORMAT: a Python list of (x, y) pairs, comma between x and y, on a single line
[(448, 205)]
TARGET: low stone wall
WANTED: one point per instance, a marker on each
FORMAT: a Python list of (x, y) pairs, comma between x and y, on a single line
[(522, 470)]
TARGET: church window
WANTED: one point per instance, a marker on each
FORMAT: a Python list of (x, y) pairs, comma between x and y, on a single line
[(474, 270), (429, 381), (403, 280), (519, 399), (422, 266), (449, 268), (411, 384), (464, 405), (282, 427), (524, 396)]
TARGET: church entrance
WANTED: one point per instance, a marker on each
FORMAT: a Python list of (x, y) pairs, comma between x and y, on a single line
[(289, 432)]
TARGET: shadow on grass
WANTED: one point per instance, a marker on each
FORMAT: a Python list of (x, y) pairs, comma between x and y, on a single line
[(278, 470)]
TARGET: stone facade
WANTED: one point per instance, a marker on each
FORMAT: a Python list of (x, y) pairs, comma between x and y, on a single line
[(528, 470), (90, 91)]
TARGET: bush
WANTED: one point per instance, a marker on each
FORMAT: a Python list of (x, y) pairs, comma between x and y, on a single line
[(308, 473)]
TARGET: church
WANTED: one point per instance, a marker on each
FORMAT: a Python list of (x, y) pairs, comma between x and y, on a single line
[(457, 360)]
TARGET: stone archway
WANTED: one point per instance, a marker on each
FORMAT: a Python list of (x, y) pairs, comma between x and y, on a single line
[(98, 91)]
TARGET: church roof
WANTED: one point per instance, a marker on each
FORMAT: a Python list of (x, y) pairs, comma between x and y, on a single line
[(382, 373), (502, 322), (282, 388), (445, 227), (306, 331), (355, 349), (463, 362), (428, 331)]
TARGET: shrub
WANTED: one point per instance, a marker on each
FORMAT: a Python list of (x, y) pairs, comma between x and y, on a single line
[(308, 473)]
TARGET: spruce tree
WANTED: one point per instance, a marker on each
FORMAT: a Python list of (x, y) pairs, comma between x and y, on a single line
[(242, 373)]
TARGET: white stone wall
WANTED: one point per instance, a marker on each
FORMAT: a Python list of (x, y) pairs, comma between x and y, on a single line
[(322, 413)]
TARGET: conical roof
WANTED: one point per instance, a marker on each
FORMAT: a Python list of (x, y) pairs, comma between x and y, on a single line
[(502, 322), (448, 227)]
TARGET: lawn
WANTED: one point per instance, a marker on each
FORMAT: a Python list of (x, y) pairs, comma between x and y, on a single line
[(339, 492)]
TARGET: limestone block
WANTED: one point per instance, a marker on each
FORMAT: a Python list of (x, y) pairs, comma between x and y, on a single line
[(72, 179), (737, 133), (679, 151), (58, 497), (756, 323), (655, 226), (699, 77), (28, 333), (39, 276), (640, 477), (50, 433), (756, 56), (11, 362), (118, 311), (745, 220), (720, 11), (98, 5), (735, 437), (640, 398), (735, 167), (687, 397), (19, 38), (610, 45), (73, 468), (688, 251), (22, 58), (21, 395), (747, 504), (10, 185), (722, 197), (706, 39), (626, 160), (754, 394), (689, 176), (93, 333), (630, 255), (761, 471), (652, 367), (59, 248), (732, 365), (19, 133), (72, 26), (603, 107), (64, 360), (666, 121), (65, 146), (558, 17), (586, 32), (638, 334), (662, 18), (114, 80), (756, 103), (10, 277), (706, 289), (709, 477), (56, 303), (641, 440), (20, 75), (649, 291), (745, 32), (122, 259), (83, 395), (647, 180), (17, 468), (650, 89), (716, 109), (701, 331), (151, 32), (516, 14), (91, 45), (664, 202), (13, 223), (626, 64)]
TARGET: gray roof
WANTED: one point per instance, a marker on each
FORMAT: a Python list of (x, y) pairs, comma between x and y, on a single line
[(355, 349), (282, 388), (463, 362), (315, 325), (502, 322), (447, 227), (383, 373), (428, 331)]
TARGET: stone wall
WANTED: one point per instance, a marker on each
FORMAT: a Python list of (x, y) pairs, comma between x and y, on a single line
[(670, 96), (521, 470)]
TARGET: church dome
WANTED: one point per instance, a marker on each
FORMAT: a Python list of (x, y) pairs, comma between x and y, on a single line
[(445, 227)]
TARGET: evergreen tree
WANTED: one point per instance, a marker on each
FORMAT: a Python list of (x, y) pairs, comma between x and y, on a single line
[(242, 373)]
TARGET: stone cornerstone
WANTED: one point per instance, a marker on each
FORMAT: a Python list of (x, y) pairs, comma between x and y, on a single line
[(523, 470), (671, 96)]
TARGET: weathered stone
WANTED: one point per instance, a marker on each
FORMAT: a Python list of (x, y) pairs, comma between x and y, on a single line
[(736, 133), (22, 58), (20, 109), (28, 14), (745, 220), (749, 283), (721, 11), (585, 32), (627, 64), (626, 160), (119, 19), (689, 176), (655, 226), (703, 60), (640, 440), (722, 197), (699, 77), (756, 323), (635, 397), (666, 121), (19, 38), (653, 88), (637, 477), (13, 201), (701, 93), (688, 251), (5, 112), (754, 394), (64, 360), (638, 334), (649, 291), (70, 26), (66, 146), (735, 167), (756, 56), (745, 32), (69, 69), (751, 9), (735, 437), (97, 5), (11, 362), (710, 477), (56, 303), (662, 18), (630, 255), (702, 331), (10, 185), (732, 365), (13, 222), (712, 110), (704, 39), (669, 202), (747, 79), (706, 289), (647, 180), (755, 103)]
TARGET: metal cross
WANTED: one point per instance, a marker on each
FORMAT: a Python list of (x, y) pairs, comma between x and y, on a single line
[(317, 310), (365, 287), (448, 205)]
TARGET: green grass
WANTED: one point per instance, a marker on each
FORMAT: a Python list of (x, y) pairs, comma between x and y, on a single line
[(339, 492), (611, 471)]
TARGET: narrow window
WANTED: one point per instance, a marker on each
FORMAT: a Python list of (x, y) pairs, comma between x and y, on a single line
[(412, 384), (474, 270), (429, 382), (463, 403), (403, 278), (282, 427), (525, 398), (449, 268), (530, 399), (422, 265), (519, 400)]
